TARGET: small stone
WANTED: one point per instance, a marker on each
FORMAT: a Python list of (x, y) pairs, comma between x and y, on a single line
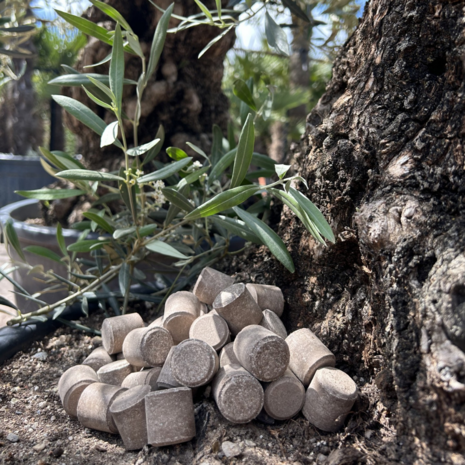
[(230, 449), (249, 443), (57, 452), (42, 462), (40, 447), (42, 356), (321, 458), (12, 437), (53, 418), (42, 404), (368, 433), (100, 448)]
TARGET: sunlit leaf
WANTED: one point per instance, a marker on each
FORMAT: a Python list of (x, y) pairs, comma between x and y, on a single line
[(165, 249), (276, 36), (50, 194), (241, 90), (165, 172), (88, 175), (141, 149), (109, 135), (175, 153), (43, 252), (244, 152)]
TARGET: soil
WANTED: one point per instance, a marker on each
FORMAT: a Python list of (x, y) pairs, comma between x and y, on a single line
[(31, 409)]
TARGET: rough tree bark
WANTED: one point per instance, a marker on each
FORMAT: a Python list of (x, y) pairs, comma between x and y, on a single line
[(184, 94), (384, 157)]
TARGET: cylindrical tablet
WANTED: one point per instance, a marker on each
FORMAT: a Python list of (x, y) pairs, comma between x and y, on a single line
[(116, 328), (72, 382), (203, 309), (210, 283), (285, 397), (94, 407), (237, 307), (139, 378), (308, 354), (170, 416), (329, 399), (272, 322), (165, 378), (97, 358), (268, 297), (238, 395), (194, 363), (115, 372), (147, 347), (262, 353), (212, 329), (181, 309), (156, 323), (227, 355), (128, 412)]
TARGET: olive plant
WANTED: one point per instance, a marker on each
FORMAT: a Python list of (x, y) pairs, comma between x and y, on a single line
[(187, 210)]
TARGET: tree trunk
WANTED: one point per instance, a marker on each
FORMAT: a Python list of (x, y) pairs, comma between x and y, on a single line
[(184, 95), (384, 159), (57, 130)]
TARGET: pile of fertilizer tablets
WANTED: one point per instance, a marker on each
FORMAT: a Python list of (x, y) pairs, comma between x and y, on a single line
[(140, 384)]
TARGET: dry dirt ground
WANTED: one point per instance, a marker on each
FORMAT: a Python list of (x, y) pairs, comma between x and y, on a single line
[(30, 408)]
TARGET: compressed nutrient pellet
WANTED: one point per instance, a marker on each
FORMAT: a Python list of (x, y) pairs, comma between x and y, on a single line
[(262, 353), (94, 407), (156, 323), (308, 354), (272, 322), (72, 382), (236, 305), (170, 416), (238, 394), (139, 378), (181, 309), (115, 372), (329, 399), (147, 347), (128, 412), (268, 297), (210, 283), (116, 328), (227, 355), (212, 329), (97, 358), (285, 397), (194, 363), (165, 378)]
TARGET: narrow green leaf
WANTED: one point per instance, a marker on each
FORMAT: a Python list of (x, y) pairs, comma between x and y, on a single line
[(147, 230), (165, 249), (58, 311), (244, 152), (268, 237), (12, 238), (102, 222), (218, 8), (315, 215), (176, 198), (192, 177), (112, 13), (84, 245), (165, 172), (69, 161), (119, 233), (296, 10), (103, 86), (50, 194), (81, 226), (101, 62), (263, 161), (117, 69), (124, 278), (173, 210), (236, 227), (87, 175), (85, 306), (197, 149), (217, 145), (158, 41), (6, 302), (275, 36), (109, 135), (259, 174), (134, 43), (86, 26), (43, 252), (77, 80), (223, 201), (61, 240), (223, 164), (204, 10), (141, 149), (175, 153), (241, 90), (81, 113), (214, 41), (97, 100), (281, 170), (155, 150)]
